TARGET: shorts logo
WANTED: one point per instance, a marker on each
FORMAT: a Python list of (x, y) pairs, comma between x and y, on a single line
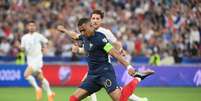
[(90, 45), (108, 83)]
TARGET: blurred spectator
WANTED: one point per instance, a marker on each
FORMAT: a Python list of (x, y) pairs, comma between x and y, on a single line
[(20, 58), (4, 46), (14, 49), (167, 59), (142, 25)]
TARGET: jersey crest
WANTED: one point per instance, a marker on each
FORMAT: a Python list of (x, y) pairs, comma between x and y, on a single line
[(104, 40)]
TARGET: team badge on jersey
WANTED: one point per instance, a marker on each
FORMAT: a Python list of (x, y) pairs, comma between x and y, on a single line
[(104, 40), (90, 45)]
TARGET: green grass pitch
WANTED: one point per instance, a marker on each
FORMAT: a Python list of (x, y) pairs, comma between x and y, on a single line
[(62, 94)]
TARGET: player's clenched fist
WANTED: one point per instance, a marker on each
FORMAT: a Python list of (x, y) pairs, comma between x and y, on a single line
[(72, 34)]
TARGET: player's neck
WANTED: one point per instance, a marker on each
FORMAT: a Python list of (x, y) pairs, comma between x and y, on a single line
[(92, 33), (32, 32)]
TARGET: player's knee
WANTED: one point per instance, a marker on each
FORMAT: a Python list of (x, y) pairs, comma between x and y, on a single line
[(40, 78), (28, 72), (73, 98), (26, 75)]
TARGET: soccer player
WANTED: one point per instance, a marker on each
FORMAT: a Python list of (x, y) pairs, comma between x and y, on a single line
[(101, 73), (96, 18), (33, 43)]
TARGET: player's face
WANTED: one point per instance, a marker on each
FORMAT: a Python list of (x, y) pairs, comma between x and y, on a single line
[(86, 29), (96, 20), (31, 27)]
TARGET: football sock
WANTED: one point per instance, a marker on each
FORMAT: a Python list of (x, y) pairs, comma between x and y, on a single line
[(46, 86), (93, 97), (32, 81), (133, 97), (139, 79), (73, 98), (128, 89)]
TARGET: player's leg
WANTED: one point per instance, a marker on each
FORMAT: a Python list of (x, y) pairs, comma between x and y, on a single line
[(128, 89), (108, 81), (79, 94), (30, 78), (45, 85), (115, 94), (134, 97), (93, 97), (87, 88)]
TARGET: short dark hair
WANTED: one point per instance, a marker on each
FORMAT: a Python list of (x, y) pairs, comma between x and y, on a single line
[(99, 12), (83, 21), (31, 21)]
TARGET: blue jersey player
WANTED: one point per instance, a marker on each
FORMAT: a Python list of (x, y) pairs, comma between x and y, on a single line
[(101, 73)]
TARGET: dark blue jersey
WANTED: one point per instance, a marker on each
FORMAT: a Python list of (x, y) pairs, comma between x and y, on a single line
[(97, 57)]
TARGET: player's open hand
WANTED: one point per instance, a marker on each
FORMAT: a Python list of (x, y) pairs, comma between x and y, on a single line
[(61, 28)]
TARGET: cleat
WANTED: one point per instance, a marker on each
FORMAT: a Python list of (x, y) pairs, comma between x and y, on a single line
[(144, 99), (38, 94), (51, 96), (143, 74)]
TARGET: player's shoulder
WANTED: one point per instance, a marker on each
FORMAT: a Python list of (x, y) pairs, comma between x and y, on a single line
[(25, 36), (103, 30), (37, 34), (99, 37)]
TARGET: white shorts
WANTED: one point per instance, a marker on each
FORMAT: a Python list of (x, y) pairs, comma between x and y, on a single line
[(35, 63)]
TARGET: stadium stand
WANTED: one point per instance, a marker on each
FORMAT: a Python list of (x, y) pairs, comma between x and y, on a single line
[(170, 28)]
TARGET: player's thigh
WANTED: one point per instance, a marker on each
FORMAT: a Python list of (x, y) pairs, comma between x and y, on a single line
[(39, 74), (109, 82), (81, 93), (28, 71), (90, 85), (115, 95)]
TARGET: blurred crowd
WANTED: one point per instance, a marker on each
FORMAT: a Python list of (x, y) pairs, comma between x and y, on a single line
[(145, 27)]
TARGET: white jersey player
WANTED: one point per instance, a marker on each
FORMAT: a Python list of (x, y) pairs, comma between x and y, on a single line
[(97, 19), (32, 43)]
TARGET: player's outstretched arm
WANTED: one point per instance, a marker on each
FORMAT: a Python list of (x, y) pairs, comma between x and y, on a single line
[(112, 51), (72, 34), (117, 45)]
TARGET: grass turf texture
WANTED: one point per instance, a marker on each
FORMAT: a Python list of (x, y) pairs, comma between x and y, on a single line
[(62, 94)]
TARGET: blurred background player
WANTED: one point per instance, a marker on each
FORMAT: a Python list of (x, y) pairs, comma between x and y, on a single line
[(97, 21), (33, 43), (101, 73)]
